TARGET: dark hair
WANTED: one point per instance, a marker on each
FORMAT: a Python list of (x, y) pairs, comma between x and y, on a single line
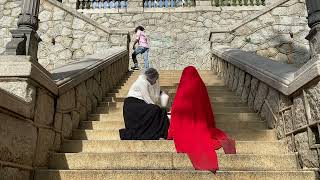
[(152, 75), (139, 28)]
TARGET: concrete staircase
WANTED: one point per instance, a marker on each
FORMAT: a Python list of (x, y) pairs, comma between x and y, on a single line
[(96, 153)]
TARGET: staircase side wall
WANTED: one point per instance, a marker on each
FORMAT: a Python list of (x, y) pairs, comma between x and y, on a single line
[(295, 118), (37, 114), (66, 34)]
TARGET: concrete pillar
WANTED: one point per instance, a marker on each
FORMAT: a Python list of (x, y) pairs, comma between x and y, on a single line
[(25, 39), (313, 8)]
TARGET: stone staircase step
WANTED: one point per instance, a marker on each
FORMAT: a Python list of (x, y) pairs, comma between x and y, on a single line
[(115, 125), (240, 135), (171, 161), (105, 146), (246, 117), (171, 175), (211, 94), (212, 99), (217, 110), (214, 104)]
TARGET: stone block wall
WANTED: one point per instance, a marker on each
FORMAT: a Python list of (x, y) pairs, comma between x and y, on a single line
[(66, 35), (37, 113), (74, 104), (295, 117), (178, 38), (278, 34)]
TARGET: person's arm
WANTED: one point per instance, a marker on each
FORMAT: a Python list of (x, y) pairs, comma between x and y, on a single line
[(145, 93), (134, 44), (136, 40)]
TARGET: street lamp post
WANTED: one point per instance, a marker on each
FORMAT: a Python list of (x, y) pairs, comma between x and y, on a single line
[(313, 8), (25, 39)]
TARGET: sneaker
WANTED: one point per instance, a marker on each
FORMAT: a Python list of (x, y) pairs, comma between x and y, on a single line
[(135, 68)]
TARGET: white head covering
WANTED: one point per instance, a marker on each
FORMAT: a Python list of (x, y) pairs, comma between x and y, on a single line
[(143, 89)]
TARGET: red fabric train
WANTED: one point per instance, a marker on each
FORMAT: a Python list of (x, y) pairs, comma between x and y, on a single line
[(192, 125)]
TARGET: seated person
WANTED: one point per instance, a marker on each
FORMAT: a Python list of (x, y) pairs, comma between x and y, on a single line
[(144, 120), (192, 125)]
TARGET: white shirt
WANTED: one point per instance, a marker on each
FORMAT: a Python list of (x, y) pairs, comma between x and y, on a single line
[(142, 89)]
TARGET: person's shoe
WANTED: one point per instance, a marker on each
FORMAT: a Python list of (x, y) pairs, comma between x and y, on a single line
[(135, 68)]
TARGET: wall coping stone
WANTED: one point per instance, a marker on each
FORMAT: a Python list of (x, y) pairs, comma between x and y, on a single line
[(249, 18), (285, 78), (72, 74), (83, 17), (25, 67)]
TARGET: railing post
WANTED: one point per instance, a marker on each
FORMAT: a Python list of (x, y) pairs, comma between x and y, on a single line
[(313, 8), (25, 39)]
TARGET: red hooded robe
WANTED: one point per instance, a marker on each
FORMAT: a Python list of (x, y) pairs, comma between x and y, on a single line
[(192, 125)]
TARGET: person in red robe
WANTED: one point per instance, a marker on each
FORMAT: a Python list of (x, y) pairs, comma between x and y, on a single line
[(192, 125)]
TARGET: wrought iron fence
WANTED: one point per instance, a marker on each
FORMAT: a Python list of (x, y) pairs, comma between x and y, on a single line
[(102, 4)]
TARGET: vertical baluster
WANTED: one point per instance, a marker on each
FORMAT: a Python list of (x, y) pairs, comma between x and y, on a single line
[(86, 4), (245, 2), (258, 2), (101, 4), (216, 3), (166, 3), (263, 2), (106, 4), (116, 4), (160, 4), (155, 4), (94, 4), (251, 2), (111, 4), (149, 3), (78, 4), (90, 4), (240, 2), (145, 4), (234, 2), (225, 2), (121, 4)]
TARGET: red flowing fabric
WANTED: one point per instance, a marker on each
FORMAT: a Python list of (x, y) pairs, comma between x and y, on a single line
[(192, 125)]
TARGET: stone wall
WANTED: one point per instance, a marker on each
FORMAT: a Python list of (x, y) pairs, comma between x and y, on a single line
[(294, 117), (66, 35), (278, 34), (37, 113), (178, 37)]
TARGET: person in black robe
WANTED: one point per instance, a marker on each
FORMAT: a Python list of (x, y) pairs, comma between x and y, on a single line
[(144, 119)]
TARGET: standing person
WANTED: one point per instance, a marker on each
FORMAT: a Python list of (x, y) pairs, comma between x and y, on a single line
[(143, 48), (192, 125), (144, 120)]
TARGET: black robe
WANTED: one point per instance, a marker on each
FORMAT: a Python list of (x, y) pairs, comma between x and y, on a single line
[(143, 121)]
